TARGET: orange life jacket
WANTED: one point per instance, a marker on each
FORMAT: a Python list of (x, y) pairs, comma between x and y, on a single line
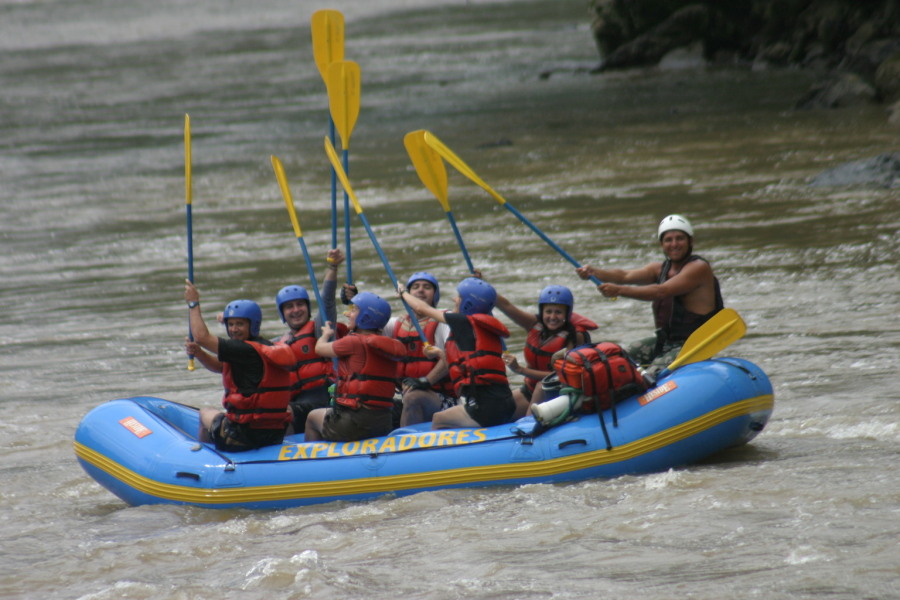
[(484, 365), (309, 369), (415, 364), (538, 352), (267, 406), (374, 384)]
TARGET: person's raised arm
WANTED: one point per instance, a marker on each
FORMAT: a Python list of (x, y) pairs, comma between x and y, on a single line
[(199, 330), (210, 362), (323, 346), (691, 276), (329, 287), (522, 318), (642, 276), (418, 305), (616, 280)]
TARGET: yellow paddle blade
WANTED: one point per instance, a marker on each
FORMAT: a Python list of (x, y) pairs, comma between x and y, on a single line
[(286, 194), (342, 175), (188, 187), (343, 81), (327, 28), (722, 330), (459, 165), (429, 165)]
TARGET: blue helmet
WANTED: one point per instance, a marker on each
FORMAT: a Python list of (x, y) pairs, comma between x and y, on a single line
[(426, 276), (476, 296), (374, 311), (288, 293), (245, 309), (557, 294)]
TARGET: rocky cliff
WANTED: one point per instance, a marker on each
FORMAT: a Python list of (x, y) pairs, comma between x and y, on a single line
[(855, 44)]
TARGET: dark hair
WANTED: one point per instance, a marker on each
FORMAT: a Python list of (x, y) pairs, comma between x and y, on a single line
[(569, 328)]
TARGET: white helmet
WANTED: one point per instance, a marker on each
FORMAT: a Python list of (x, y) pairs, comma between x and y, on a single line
[(674, 222)]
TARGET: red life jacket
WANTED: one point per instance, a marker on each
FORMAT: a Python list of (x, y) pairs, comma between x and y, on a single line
[(374, 384), (538, 352), (309, 369), (267, 406), (415, 364), (604, 373), (484, 365)]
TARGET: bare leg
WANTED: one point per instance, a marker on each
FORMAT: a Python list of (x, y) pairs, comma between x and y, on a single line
[(537, 396), (522, 404), (455, 416), (314, 423), (206, 418), (419, 406)]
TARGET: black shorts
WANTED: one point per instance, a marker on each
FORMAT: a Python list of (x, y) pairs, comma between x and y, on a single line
[(307, 401), (489, 405), (526, 391), (229, 436)]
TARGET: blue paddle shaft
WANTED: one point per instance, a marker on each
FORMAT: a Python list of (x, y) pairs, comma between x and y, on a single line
[(315, 287), (387, 267), (333, 190), (190, 261), (544, 237), (459, 239), (312, 273), (347, 222)]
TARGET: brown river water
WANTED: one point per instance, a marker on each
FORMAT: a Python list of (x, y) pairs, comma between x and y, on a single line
[(93, 256)]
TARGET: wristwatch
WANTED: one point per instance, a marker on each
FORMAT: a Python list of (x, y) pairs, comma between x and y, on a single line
[(193, 304)]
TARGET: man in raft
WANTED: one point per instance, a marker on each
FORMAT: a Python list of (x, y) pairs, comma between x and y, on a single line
[(474, 354), (424, 382), (367, 371), (254, 373), (311, 374), (684, 292)]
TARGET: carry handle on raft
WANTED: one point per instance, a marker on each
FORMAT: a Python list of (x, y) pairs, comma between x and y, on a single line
[(345, 181)]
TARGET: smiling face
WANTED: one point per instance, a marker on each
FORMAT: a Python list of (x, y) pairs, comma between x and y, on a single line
[(238, 328), (676, 245), (351, 313), (553, 316), (296, 313), (423, 290)]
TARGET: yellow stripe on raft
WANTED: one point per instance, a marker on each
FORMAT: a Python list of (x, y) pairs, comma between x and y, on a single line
[(442, 478)]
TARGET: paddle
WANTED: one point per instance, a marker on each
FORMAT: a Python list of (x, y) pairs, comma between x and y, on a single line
[(448, 155), (722, 330), (188, 196), (289, 203), (327, 29), (342, 175), (433, 174), (343, 80)]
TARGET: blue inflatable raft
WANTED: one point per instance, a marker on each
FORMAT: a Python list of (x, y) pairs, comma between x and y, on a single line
[(145, 450)]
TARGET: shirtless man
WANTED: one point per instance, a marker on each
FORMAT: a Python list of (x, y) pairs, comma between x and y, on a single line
[(683, 289)]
